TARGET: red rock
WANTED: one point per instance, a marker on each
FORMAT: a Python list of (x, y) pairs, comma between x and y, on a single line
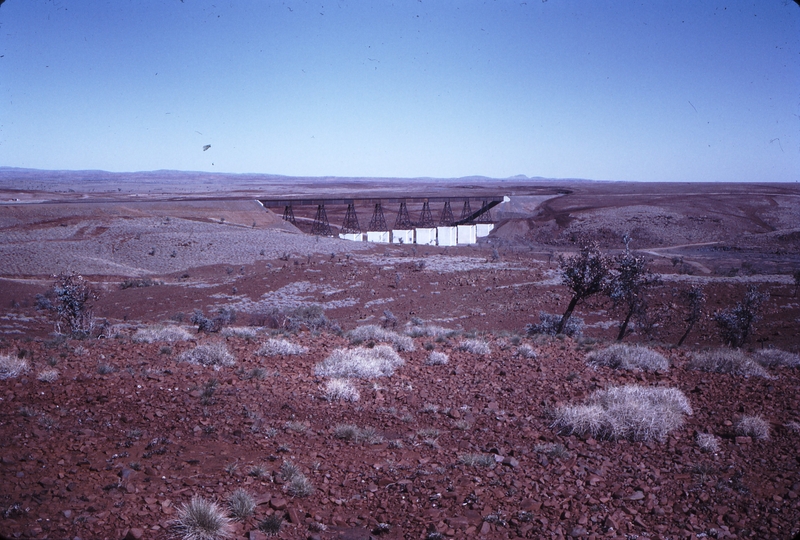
[(256, 535), (743, 440), (486, 528), (278, 503), (134, 533)]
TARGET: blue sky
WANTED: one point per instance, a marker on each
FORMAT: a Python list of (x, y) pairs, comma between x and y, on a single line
[(615, 90)]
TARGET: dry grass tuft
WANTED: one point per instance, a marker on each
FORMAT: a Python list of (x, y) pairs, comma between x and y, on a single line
[(213, 354), (477, 460), (430, 330), (753, 426), (626, 412), (341, 389), (630, 357), (475, 346), (437, 359), (244, 332), (372, 332), (361, 363), (169, 333), (731, 361), (772, 358), (241, 504), (11, 366), (201, 519), (281, 347), (526, 351), (708, 442), (48, 375)]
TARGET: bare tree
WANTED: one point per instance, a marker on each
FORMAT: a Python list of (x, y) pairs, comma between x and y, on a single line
[(586, 274), (628, 286), (696, 299), (737, 323)]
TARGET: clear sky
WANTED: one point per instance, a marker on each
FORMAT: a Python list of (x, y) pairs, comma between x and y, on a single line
[(685, 90)]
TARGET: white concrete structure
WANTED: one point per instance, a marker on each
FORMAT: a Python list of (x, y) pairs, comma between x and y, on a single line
[(467, 234), (426, 236), (446, 236), (483, 229), (381, 237), (353, 237), (402, 236)]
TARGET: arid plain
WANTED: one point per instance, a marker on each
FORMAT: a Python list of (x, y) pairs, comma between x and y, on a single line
[(125, 431)]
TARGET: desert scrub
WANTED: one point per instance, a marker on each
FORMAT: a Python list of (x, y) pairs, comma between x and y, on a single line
[(772, 358), (553, 450), (362, 363), (280, 347), (241, 504), (420, 329), (548, 325), (436, 359), (47, 375), (707, 442), (212, 354), (168, 333), (351, 432), (341, 389), (271, 525), (297, 484), (11, 366), (630, 357), (244, 332), (474, 346), (526, 351), (731, 361), (637, 413), (753, 426), (477, 460), (202, 519), (373, 332)]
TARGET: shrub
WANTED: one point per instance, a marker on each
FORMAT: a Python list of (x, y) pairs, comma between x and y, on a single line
[(281, 347), (753, 426), (630, 357), (477, 460), (215, 324), (429, 330), (244, 332), (241, 504), (380, 361), (297, 484), (137, 283), (549, 322), (48, 375), (372, 332), (707, 442), (628, 285), (271, 525), (167, 333), (776, 358), (213, 354), (625, 412), (347, 432), (343, 389), (437, 359), (475, 346), (526, 351), (72, 300), (731, 361), (11, 366), (736, 324), (585, 274), (201, 519)]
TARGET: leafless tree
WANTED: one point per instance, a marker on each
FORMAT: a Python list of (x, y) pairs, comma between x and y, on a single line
[(628, 285), (696, 299), (585, 274)]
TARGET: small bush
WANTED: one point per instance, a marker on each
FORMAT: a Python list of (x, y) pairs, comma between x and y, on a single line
[(48, 375), (11, 367), (630, 357), (212, 325), (548, 325), (737, 323), (281, 347), (341, 389), (363, 363), (626, 412), (707, 442), (201, 519), (105, 369), (346, 432), (430, 330), (73, 299), (731, 361), (297, 484), (772, 358), (753, 426), (477, 460), (244, 332), (437, 359), (214, 354), (241, 504), (372, 332), (137, 283), (152, 334), (271, 525), (526, 351), (475, 346)]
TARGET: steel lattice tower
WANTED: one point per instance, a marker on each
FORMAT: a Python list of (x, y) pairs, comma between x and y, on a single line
[(425, 217), (350, 225), (378, 222), (447, 218), (321, 227), (403, 220)]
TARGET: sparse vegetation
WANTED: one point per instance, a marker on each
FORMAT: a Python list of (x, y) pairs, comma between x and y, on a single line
[(772, 358), (552, 450), (625, 412), (48, 375), (526, 351), (341, 389), (707, 442), (202, 519), (475, 346), (11, 366), (281, 347), (630, 357), (585, 274), (363, 363), (241, 504), (372, 332), (168, 333), (70, 299), (437, 359), (297, 484), (420, 329), (731, 361), (351, 432), (213, 354), (753, 426), (737, 323), (271, 525), (549, 325), (477, 460), (627, 287), (214, 324), (244, 332)]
